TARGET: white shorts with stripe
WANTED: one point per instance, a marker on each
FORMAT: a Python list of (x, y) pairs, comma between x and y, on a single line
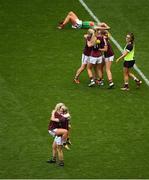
[(52, 132), (58, 140), (111, 58), (95, 60), (85, 59), (78, 23)]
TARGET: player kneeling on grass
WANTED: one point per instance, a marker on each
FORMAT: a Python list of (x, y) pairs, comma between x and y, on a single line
[(129, 62)]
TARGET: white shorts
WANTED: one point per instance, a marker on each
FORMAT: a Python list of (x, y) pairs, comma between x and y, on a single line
[(58, 140), (78, 23), (85, 59), (52, 132), (111, 58), (95, 60)]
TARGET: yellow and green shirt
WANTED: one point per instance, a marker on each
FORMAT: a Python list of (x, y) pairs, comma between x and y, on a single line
[(130, 48)]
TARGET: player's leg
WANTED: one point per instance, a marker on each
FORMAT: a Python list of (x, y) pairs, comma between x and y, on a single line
[(126, 79), (96, 76), (60, 155), (68, 142), (79, 71), (71, 17), (82, 68), (63, 133), (68, 139), (90, 66), (54, 153), (99, 70), (108, 63), (138, 82), (59, 143), (90, 74)]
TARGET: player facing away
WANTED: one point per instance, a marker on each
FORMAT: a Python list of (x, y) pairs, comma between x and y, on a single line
[(77, 23), (128, 55), (108, 57), (85, 56)]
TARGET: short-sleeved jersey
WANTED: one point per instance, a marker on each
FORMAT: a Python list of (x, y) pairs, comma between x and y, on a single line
[(109, 52), (64, 124), (87, 50), (129, 47), (54, 124), (95, 49)]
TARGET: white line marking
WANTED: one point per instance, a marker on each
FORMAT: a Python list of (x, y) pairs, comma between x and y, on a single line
[(113, 40)]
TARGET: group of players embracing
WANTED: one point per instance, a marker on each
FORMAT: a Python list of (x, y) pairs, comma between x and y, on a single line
[(97, 53)]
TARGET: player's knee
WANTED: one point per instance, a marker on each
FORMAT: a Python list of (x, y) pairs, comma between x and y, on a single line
[(70, 12), (66, 132)]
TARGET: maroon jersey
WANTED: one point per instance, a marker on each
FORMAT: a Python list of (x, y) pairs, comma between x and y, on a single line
[(95, 49), (54, 124), (87, 50), (64, 124), (102, 42), (109, 52)]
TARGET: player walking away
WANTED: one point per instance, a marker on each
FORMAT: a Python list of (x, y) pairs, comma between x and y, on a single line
[(85, 56), (77, 23), (108, 57), (129, 62)]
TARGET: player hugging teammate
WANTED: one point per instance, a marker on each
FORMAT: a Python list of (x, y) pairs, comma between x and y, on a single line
[(59, 128), (97, 54)]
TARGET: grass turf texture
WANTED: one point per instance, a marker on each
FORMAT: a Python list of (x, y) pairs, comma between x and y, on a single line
[(37, 62)]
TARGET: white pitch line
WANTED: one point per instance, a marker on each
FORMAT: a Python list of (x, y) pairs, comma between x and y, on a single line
[(113, 40)]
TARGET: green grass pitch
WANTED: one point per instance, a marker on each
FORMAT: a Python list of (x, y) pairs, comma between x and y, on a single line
[(110, 131)]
